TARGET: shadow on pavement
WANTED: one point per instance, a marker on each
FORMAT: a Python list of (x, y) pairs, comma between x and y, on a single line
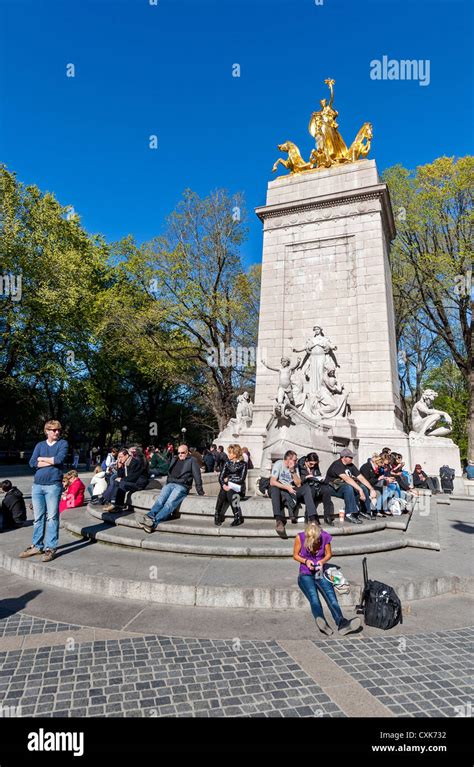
[(463, 527), (70, 548), (13, 605)]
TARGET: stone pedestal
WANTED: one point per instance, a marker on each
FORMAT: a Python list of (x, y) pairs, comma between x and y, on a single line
[(326, 240), (433, 452), (325, 262)]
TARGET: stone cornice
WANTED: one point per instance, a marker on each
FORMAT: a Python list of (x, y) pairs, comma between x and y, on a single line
[(376, 192)]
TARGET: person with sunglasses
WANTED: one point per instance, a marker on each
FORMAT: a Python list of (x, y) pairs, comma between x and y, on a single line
[(184, 470), (48, 462)]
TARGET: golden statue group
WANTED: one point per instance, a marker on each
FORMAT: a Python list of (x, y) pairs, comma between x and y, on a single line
[(330, 147)]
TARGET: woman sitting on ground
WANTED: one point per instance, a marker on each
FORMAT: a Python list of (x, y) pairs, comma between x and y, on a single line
[(312, 549), (232, 482), (73, 491)]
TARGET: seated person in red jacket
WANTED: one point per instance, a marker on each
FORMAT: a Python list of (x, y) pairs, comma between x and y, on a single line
[(73, 491)]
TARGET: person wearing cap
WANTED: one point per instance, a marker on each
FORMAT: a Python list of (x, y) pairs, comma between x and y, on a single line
[(346, 481)]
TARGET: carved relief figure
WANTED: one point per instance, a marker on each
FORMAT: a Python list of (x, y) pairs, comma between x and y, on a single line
[(318, 349), (285, 387), (331, 402), (244, 412)]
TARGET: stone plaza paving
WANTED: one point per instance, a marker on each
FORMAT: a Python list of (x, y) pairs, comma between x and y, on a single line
[(428, 674)]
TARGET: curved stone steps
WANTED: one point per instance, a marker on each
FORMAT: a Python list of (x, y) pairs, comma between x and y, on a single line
[(217, 546), (252, 528), (137, 573), (253, 507)]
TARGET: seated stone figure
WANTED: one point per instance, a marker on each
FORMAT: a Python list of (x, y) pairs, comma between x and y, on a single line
[(286, 488), (425, 418)]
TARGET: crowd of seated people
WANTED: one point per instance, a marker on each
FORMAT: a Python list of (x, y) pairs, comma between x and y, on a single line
[(294, 482), (366, 492)]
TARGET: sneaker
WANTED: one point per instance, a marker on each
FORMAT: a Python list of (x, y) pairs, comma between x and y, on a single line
[(30, 552), (324, 627), (365, 514), (109, 507), (353, 520), (147, 524), (348, 627), (49, 555), (280, 528)]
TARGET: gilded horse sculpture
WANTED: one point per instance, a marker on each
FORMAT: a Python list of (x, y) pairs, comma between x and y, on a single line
[(330, 147)]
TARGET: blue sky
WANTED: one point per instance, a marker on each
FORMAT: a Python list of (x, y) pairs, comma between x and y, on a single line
[(166, 70)]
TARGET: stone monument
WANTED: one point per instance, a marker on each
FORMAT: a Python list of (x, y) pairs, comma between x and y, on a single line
[(327, 229)]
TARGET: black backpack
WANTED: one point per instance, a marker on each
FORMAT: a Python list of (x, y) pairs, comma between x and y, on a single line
[(379, 604), (447, 474), (264, 485)]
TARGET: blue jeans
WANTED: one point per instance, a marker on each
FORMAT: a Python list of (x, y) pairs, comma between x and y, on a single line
[(310, 585), (168, 500), (384, 497), (46, 513), (350, 496)]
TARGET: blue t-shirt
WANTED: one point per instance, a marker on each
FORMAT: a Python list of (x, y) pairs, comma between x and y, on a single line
[(470, 472), (49, 475)]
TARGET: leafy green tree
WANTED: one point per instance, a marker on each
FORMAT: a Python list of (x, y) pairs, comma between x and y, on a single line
[(432, 262), (195, 314), (453, 397)]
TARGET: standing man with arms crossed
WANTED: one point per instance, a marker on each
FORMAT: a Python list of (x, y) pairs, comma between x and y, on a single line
[(48, 461)]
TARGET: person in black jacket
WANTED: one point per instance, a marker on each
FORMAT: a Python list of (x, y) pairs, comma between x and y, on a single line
[(423, 481), (184, 470), (220, 457), (209, 461), (13, 507), (132, 475), (310, 474), (232, 482), (372, 470)]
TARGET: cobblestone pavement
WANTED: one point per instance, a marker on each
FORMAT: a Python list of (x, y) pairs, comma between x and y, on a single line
[(152, 675), (427, 674), (159, 676), (21, 624)]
